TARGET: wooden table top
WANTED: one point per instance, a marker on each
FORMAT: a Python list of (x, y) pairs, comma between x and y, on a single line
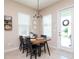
[(38, 40)]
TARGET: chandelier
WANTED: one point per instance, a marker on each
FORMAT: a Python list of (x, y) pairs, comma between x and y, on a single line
[(37, 14)]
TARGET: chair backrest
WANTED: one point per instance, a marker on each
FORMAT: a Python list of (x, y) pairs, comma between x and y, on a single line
[(21, 39), (28, 42), (44, 36), (35, 35)]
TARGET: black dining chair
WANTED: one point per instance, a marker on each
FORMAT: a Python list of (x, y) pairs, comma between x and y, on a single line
[(44, 36), (23, 46), (21, 42), (32, 48), (45, 44), (35, 35)]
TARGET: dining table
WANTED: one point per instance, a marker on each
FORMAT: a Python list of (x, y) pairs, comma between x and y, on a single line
[(40, 40)]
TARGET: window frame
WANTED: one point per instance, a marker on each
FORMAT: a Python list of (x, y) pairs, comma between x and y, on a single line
[(24, 24), (50, 15)]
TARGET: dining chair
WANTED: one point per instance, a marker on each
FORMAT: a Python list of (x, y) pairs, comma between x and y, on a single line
[(23, 46), (32, 48), (35, 36), (45, 44), (21, 42)]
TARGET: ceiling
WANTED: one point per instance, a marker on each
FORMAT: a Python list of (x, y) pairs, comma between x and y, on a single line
[(33, 3)]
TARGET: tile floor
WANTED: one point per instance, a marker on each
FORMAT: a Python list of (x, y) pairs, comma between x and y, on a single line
[(55, 54)]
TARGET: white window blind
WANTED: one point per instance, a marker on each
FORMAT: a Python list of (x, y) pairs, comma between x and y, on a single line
[(24, 23), (47, 25)]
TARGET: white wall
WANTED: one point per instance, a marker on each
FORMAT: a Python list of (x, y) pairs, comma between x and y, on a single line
[(11, 9), (53, 10)]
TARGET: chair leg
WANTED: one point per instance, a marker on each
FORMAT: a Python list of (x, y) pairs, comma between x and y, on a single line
[(23, 50), (35, 55), (48, 48), (27, 53), (31, 56), (20, 47), (44, 48)]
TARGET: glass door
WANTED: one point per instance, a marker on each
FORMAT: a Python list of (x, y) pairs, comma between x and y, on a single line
[(65, 32)]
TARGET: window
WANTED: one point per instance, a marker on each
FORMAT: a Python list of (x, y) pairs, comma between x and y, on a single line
[(24, 23), (47, 25)]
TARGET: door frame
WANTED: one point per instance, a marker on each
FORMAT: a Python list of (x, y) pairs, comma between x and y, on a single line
[(58, 30)]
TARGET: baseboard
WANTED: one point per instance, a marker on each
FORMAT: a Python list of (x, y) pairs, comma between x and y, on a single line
[(10, 50), (70, 51), (56, 48)]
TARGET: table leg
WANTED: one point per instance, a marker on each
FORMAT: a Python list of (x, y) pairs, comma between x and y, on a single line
[(48, 48)]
